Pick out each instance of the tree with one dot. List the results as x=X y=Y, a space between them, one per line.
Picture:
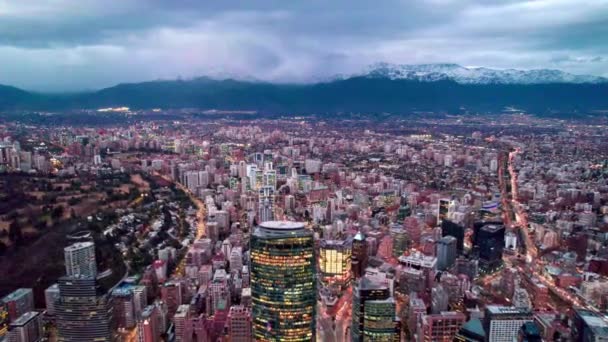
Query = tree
x=14 y=232
x=57 y=212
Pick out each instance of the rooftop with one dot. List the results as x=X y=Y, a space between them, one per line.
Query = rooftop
x=474 y=326
x=282 y=225
x=26 y=317
x=18 y=293
x=79 y=245
x=507 y=310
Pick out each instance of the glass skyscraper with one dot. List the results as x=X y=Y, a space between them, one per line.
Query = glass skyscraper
x=283 y=282
x=374 y=316
x=83 y=312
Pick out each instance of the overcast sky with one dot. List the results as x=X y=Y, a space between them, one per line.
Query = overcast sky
x=67 y=45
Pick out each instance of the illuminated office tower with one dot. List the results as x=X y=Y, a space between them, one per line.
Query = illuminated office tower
x=335 y=261
x=266 y=204
x=283 y=282
x=83 y=312
x=374 y=317
x=443 y=209
x=80 y=259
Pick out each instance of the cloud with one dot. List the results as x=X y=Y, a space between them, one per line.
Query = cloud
x=57 y=45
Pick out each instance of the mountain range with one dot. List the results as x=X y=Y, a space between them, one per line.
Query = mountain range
x=382 y=88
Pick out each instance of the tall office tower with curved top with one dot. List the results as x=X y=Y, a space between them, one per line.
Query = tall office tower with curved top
x=283 y=282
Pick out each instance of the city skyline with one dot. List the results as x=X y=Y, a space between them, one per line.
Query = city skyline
x=309 y=171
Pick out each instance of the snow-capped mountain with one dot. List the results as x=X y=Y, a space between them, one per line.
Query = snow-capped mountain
x=470 y=75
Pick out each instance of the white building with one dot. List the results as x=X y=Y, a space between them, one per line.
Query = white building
x=503 y=322
x=80 y=259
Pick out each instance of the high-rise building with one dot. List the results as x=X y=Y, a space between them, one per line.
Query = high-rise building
x=183 y=330
x=440 y=299
x=80 y=259
x=441 y=327
x=148 y=329
x=502 y=323
x=335 y=257
x=27 y=328
x=490 y=241
x=283 y=282
x=239 y=324
x=588 y=326
x=140 y=299
x=18 y=302
x=124 y=313
x=219 y=292
x=83 y=312
x=172 y=294
x=51 y=295
x=236 y=259
x=446 y=252
x=401 y=240
x=456 y=230
x=374 y=316
x=412 y=226
x=443 y=208
x=359 y=255
x=266 y=204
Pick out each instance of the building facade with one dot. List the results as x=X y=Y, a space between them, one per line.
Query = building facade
x=283 y=282
x=80 y=259
x=83 y=312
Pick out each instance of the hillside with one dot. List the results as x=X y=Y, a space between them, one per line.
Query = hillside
x=365 y=93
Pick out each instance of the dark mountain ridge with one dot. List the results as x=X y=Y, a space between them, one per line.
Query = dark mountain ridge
x=354 y=94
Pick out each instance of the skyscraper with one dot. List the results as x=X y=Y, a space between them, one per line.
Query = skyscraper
x=80 y=259
x=148 y=329
x=335 y=261
x=83 y=312
x=266 y=204
x=359 y=256
x=446 y=252
x=401 y=240
x=443 y=207
x=283 y=282
x=124 y=313
x=454 y=229
x=374 y=316
x=490 y=241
